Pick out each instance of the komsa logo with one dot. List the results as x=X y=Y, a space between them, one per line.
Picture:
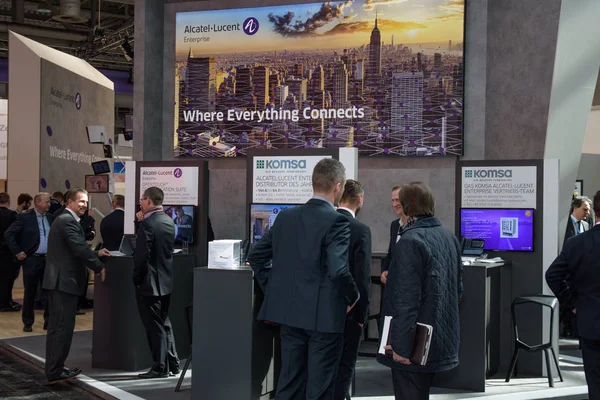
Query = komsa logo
x=282 y=164
x=489 y=173
x=251 y=26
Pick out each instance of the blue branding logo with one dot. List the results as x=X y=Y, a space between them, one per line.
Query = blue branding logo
x=78 y=101
x=177 y=173
x=251 y=26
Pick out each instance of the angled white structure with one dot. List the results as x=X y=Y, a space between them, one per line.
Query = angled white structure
x=54 y=97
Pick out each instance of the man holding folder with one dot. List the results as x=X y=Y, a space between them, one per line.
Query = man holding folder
x=309 y=288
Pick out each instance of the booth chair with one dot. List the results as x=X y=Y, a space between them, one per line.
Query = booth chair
x=544 y=301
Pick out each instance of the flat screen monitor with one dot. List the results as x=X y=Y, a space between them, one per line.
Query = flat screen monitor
x=101 y=167
x=96 y=183
x=262 y=218
x=502 y=229
x=185 y=222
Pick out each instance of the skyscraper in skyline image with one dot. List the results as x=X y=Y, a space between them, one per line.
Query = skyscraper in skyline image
x=374 y=69
x=407 y=109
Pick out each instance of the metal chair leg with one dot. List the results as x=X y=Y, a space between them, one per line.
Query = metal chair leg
x=184 y=370
x=556 y=362
x=549 y=368
x=513 y=363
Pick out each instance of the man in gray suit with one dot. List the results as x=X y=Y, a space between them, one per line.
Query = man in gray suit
x=309 y=289
x=67 y=260
x=152 y=277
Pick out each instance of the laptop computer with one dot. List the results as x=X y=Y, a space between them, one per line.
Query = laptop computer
x=127 y=247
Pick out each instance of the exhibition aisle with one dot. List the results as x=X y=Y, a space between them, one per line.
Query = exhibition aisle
x=373 y=380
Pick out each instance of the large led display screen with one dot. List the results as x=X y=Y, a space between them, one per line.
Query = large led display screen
x=385 y=77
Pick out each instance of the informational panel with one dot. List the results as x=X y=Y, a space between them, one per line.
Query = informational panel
x=3 y=136
x=283 y=179
x=499 y=187
x=385 y=77
x=180 y=184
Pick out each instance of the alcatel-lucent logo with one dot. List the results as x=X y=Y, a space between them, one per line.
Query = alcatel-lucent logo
x=251 y=26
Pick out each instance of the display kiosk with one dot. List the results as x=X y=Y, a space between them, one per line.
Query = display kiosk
x=119 y=338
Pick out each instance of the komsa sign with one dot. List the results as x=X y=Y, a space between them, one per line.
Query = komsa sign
x=281 y=164
x=488 y=173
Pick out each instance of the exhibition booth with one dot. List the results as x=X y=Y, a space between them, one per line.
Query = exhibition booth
x=257 y=98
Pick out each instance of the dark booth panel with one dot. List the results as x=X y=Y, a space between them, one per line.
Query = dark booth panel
x=118 y=338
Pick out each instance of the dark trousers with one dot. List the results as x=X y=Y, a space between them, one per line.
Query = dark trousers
x=591 y=366
x=352 y=336
x=309 y=364
x=154 y=312
x=8 y=269
x=63 y=307
x=411 y=385
x=33 y=273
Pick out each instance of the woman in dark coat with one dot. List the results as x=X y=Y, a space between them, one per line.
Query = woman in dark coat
x=424 y=285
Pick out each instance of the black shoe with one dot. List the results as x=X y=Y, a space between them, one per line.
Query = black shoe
x=174 y=371
x=80 y=312
x=64 y=376
x=27 y=328
x=153 y=375
x=45 y=326
x=16 y=305
x=74 y=369
x=9 y=309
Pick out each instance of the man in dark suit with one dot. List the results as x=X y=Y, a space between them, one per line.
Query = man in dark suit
x=580 y=210
x=152 y=277
x=577 y=224
x=575 y=281
x=27 y=239
x=395 y=229
x=8 y=266
x=359 y=255
x=113 y=225
x=309 y=289
x=68 y=258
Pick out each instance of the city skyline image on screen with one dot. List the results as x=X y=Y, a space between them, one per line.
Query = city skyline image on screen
x=387 y=80
x=502 y=229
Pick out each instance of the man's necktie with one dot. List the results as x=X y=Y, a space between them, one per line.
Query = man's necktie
x=579 y=227
x=42 y=217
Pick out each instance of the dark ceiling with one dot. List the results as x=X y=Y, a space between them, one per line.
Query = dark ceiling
x=99 y=31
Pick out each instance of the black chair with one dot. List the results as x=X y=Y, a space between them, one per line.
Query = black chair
x=544 y=301
x=188 y=313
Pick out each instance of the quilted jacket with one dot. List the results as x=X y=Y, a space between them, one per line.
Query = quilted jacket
x=425 y=285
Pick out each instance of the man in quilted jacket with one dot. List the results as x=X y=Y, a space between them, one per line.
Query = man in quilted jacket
x=424 y=286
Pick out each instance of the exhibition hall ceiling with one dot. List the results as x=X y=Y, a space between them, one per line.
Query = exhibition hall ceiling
x=99 y=31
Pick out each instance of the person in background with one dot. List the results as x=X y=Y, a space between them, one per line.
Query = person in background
x=152 y=277
x=56 y=202
x=61 y=209
x=69 y=257
x=395 y=229
x=113 y=225
x=309 y=288
x=580 y=210
x=8 y=266
x=577 y=224
x=574 y=279
x=24 y=202
x=423 y=286
x=359 y=256
x=27 y=239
